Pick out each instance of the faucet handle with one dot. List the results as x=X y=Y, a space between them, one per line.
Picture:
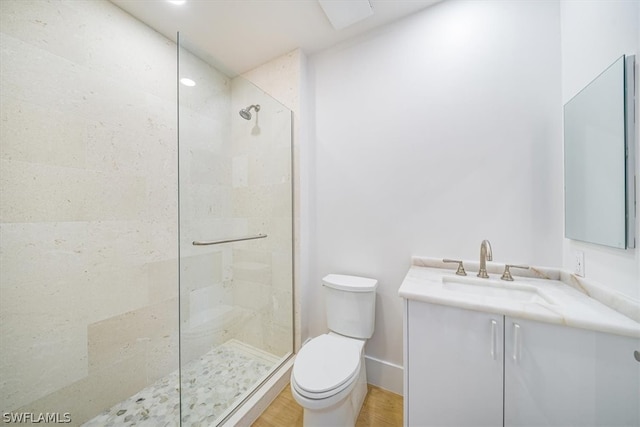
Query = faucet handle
x=460 y=271
x=507 y=274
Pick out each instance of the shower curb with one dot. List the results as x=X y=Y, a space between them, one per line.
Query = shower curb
x=256 y=404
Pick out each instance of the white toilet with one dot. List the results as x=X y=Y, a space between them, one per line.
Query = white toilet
x=329 y=379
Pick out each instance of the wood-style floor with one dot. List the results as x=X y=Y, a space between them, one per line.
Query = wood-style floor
x=381 y=408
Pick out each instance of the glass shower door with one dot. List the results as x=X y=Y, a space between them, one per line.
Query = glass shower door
x=236 y=240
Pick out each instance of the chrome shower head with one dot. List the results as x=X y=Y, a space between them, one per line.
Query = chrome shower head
x=245 y=113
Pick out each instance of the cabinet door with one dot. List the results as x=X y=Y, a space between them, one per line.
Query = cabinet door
x=454 y=366
x=561 y=376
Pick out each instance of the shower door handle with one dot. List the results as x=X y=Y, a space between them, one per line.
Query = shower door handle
x=217 y=242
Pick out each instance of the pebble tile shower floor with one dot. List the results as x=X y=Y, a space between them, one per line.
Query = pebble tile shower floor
x=211 y=384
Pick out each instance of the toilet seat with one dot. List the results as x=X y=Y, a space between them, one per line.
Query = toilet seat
x=325 y=366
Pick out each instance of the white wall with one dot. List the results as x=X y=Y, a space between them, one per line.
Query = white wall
x=594 y=35
x=430 y=135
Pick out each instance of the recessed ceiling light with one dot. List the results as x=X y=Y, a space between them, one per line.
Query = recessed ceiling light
x=177 y=1
x=187 y=82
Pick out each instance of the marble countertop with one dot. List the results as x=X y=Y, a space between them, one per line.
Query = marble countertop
x=563 y=299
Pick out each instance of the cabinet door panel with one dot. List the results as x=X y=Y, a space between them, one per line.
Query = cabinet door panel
x=454 y=366
x=562 y=376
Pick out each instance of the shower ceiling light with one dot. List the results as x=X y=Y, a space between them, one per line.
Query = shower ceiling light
x=187 y=82
x=342 y=13
x=178 y=2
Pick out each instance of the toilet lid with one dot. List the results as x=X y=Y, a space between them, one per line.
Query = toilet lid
x=325 y=363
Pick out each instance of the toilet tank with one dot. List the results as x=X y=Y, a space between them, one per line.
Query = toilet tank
x=350 y=303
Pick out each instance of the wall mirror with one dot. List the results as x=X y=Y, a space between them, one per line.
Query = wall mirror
x=599 y=154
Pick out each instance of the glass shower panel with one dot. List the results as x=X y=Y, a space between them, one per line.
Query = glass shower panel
x=236 y=250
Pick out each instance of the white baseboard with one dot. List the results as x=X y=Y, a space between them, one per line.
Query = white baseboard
x=384 y=374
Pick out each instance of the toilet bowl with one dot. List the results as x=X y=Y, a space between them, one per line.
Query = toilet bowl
x=329 y=377
x=329 y=380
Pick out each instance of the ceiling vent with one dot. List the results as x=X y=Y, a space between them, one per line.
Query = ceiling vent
x=342 y=13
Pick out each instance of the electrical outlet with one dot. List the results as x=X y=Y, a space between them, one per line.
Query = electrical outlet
x=578 y=263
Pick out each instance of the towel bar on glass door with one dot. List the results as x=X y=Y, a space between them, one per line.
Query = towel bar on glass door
x=217 y=242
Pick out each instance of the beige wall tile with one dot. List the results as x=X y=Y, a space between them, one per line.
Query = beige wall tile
x=113 y=291
x=251 y=330
x=88 y=204
x=151 y=331
x=162 y=279
x=282 y=308
x=87 y=397
x=44 y=347
x=282 y=270
x=222 y=324
x=251 y=295
x=265 y=200
x=280 y=78
x=36 y=134
x=278 y=340
x=252 y=271
x=198 y=271
x=114 y=29
x=41 y=251
x=46 y=26
x=39 y=193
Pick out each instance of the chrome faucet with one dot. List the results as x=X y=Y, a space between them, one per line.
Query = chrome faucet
x=485 y=255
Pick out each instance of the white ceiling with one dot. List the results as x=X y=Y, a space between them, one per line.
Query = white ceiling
x=242 y=34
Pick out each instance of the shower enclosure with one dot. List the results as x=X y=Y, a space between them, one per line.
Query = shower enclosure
x=109 y=314
x=236 y=241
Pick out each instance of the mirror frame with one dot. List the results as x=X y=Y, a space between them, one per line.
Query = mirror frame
x=630 y=147
x=618 y=228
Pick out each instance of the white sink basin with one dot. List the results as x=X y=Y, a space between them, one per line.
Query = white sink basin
x=495 y=289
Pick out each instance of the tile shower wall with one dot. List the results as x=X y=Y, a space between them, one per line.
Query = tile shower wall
x=283 y=78
x=261 y=181
x=209 y=317
x=235 y=178
x=88 y=208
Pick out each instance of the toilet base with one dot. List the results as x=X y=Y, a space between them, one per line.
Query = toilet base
x=344 y=413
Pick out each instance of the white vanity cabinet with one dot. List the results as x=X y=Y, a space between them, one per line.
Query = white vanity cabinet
x=471 y=368
x=453 y=366
x=562 y=376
